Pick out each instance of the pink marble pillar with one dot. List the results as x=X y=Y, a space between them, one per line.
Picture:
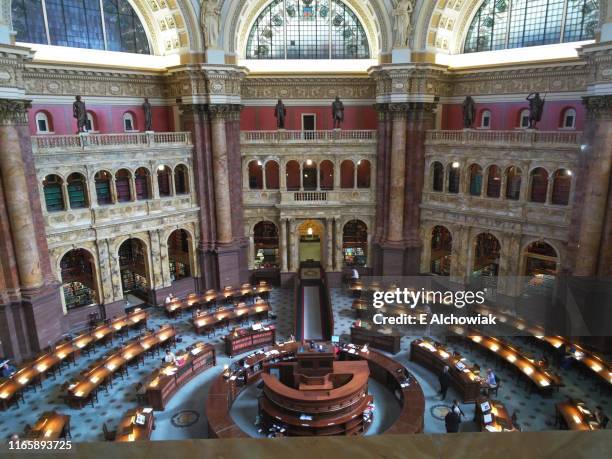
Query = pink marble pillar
x=221 y=175
x=397 y=174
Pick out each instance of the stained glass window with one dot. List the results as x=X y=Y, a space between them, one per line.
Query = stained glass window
x=94 y=24
x=503 y=24
x=307 y=29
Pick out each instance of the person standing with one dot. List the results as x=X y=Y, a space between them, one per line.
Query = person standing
x=452 y=422
x=444 y=380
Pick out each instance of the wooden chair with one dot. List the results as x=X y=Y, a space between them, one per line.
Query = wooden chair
x=109 y=435
x=493 y=390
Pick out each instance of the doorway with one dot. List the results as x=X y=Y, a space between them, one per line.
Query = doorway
x=308 y=124
x=310 y=239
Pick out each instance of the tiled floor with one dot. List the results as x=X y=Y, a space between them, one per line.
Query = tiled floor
x=535 y=412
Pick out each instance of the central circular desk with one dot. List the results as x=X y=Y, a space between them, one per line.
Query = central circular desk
x=385 y=370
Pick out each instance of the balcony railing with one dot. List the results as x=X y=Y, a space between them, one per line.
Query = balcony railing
x=51 y=143
x=519 y=136
x=282 y=136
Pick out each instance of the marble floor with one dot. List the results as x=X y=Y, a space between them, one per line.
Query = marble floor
x=185 y=416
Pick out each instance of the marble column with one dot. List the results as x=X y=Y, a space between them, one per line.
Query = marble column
x=282 y=246
x=459 y=255
x=133 y=188
x=65 y=196
x=105 y=272
x=164 y=258
x=154 y=182
x=338 y=239
x=598 y=140
x=251 y=260
x=398 y=174
x=156 y=269
x=223 y=206
x=13 y=113
x=294 y=245
x=329 y=265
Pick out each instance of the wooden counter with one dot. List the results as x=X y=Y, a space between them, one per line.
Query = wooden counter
x=574 y=415
x=129 y=430
x=492 y=416
x=435 y=357
x=163 y=382
x=246 y=340
x=208 y=321
x=383 y=338
x=50 y=426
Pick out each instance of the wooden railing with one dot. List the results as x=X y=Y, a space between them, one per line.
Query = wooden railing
x=337 y=135
x=519 y=136
x=52 y=143
x=309 y=196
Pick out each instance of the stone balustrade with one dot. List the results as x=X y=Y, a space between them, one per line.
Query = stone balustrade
x=515 y=137
x=283 y=136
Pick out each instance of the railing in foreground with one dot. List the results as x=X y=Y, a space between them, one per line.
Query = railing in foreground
x=97 y=141
x=524 y=136
x=337 y=135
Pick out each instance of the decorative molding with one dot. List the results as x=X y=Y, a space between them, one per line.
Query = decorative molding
x=316 y=87
x=14 y=111
x=598 y=107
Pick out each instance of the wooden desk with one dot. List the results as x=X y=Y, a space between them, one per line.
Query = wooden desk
x=128 y=430
x=208 y=321
x=237 y=343
x=163 y=382
x=500 y=418
x=83 y=389
x=50 y=426
x=575 y=415
x=543 y=380
x=359 y=307
x=435 y=357
x=383 y=338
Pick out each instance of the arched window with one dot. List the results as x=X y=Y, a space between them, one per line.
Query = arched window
x=292 y=170
x=128 y=122
x=347 y=174
x=441 y=247
x=77 y=191
x=454 y=177
x=363 y=173
x=103 y=188
x=80 y=24
x=486 y=255
x=90 y=125
x=52 y=187
x=355 y=243
x=43 y=123
x=475 y=180
x=561 y=187
x=569 y=119
x=309 y=175
x=272 y=178
x=513 y=183
x=265 y=238
x=122 y=184
x=179 y=257
x=142 y=182
x=255 y=175
x=437 y=176
x=181 y=179
x=307 y=29
x=485 y=119
x=522 y=23
x=539 y=185
x=78 y=277
x=163 y=181
x=134 y=268
x=540 y=261
x=524 y=119
x=326 y=175
x=493 y=182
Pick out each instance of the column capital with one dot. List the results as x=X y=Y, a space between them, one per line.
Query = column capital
x=598 y=107
x=14 y=111
x=230 y=112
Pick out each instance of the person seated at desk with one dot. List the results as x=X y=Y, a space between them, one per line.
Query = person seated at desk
x=490 y=381
x=7 y=369
x=601 y=417
x=169 y=357
x=169 y=298
x=354 y=275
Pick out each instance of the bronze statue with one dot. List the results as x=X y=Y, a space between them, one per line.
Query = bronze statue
x=80 y=113
x=536 y=107
x=337 y=112
x=280 y=113
x=148 y=114
x=469 y=112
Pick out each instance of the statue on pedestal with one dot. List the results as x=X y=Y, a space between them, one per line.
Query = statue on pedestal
x=402 y=27
x=337 y=112
x=148 y=114
x=79 y=112
x=209 y=18
x=280 y=113
x=469 y=112
x=536 y=107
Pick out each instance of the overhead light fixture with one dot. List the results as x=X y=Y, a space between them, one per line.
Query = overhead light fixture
x=309 y=162
x=309 y=231
x=161 y=167
x=455 y=165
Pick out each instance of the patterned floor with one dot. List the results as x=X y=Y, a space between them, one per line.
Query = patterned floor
x=184 y=417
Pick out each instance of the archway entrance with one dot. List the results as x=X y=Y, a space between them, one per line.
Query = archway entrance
x=486 y=258
x=310 y=239
x=441 y=248
x=78 y=277
x=179 y=255
x=134 y=268
x=541 y=260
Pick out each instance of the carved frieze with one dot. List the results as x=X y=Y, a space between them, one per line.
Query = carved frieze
x=307 y=88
